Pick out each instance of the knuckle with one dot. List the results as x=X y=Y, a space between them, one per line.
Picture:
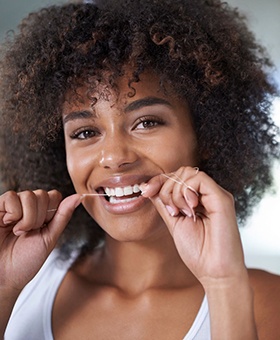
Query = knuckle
x=56 y=194
x=40 y=192
x=201 y=173
x=10 y=195
x=41 y=197
x=230 y=197
x=28 y=195
x=182 y=168
x=227 y=198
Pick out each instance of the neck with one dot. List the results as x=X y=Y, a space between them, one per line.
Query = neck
x=135 y=267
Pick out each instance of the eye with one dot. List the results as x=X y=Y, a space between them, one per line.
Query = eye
x=148 y=122
x=84 y=134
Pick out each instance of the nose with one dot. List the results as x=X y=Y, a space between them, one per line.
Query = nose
x=116 y=152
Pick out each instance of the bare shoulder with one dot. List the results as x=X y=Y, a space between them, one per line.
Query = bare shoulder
x=266 y=287
x=265 y=284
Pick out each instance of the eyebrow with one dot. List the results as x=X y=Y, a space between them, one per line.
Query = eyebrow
x=84 y=114
x=147 y=101
x=135 y=105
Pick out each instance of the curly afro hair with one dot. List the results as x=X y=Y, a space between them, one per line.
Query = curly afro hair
x=202 y=49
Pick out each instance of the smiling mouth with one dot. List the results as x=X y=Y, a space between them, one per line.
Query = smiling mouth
x=122 y=194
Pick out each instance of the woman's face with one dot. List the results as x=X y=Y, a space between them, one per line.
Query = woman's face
x=121 y=142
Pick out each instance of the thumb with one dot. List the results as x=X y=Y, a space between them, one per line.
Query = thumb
x=60 y=220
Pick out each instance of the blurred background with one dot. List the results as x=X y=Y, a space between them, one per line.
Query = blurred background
x=261 y=236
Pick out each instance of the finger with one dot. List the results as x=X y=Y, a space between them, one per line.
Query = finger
x=28 y=201
x=160 y=185
x=212 y=198
x=202 y=189
x=60 y=220
x=153 y=186
x=168 y=218
x=36 y=209
x=166 y=194
x=173 y=191
x=42 y=198
x=172 y=197
x=55 y=198
x=47 y=203
x=179 y=197
x=10 y=208
x=163 y=211
x=181 y=188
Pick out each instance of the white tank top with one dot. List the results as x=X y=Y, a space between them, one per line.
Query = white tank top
x=31 y=316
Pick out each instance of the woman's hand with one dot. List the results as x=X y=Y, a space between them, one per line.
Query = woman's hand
x=30 y=225
x=200 y=216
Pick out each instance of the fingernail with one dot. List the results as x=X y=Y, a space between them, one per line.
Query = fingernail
x=187 y=212
x=194 y=217
x=143 y=187
x=170 y=210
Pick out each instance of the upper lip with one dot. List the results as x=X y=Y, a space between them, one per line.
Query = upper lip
x=121 y=181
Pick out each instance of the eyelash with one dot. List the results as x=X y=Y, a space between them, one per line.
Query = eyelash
x=89 y=131
x=149 y=119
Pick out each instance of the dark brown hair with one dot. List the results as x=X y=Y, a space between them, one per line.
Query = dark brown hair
x=202 y=49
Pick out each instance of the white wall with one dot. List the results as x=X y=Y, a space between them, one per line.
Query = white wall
x=261 y=236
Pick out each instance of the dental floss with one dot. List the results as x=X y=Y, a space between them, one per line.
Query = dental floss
x=174 y=180
x=179 y=181
x=82 y=196
x=182 y=183
x=55 y=209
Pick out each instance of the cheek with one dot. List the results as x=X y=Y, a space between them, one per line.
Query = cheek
x=79 y=168
x=74 y=172
x=71 y=166
x=174 y=152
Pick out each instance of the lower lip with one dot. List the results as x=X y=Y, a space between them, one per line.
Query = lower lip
x=124 y=207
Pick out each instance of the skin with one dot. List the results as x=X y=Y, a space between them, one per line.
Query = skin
x=162 y=252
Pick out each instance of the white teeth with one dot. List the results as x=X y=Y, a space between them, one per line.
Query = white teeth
x=136 y=188
x=114 y=200
x=128 y=191
x=119 y=192
x=108 y=192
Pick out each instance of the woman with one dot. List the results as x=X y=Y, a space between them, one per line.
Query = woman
x=154 y=117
